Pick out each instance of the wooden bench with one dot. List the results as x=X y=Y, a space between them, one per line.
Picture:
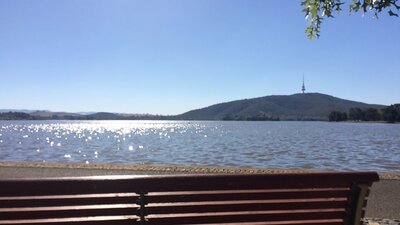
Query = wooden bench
x=328 y=198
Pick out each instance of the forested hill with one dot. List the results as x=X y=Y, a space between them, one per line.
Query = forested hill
x=309 y=106
x=312 y=106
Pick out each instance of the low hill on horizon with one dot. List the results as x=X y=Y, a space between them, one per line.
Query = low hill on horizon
x=11 y=114
x=307 y=106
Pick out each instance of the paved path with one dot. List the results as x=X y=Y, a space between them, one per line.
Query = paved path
x=384 y=201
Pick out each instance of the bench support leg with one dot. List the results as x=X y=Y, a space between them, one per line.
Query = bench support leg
x=354 y=209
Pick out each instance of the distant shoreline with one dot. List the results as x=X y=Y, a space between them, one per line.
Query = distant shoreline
x=88 y=120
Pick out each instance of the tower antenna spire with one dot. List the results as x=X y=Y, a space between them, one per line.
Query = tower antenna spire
x=303 y=88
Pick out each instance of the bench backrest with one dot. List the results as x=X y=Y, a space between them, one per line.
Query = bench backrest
x=314 y=198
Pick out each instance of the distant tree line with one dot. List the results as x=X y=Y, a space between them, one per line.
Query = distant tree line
x=337 y=116
x=96 y=116
x=389 y=114
x=259 y=117
x=15 y=116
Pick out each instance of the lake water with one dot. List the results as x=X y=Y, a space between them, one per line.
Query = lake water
x=294 y=145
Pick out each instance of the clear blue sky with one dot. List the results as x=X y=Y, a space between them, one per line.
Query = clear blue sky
x=168 y=57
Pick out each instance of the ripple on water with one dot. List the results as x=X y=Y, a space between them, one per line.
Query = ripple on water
x=300 y=145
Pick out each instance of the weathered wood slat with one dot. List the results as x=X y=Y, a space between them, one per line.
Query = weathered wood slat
x=291 y=222
x=68 y=211
x=101 y=220
x=71 y=200
x=246 y=195
x=252 y=216
x=238 y=206
x=38 y=197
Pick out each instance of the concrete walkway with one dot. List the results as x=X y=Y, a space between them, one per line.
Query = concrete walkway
x=384 y=200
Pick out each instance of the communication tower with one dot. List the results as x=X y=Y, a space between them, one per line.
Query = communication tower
x=303 y=88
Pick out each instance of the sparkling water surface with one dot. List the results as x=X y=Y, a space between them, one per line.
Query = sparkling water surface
x=292 y=145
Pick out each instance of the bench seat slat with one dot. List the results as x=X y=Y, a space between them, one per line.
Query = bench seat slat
x=38 y=197
x=251 y=216
x=281 y=190
x=71 y=200
x=100 y=220
x=292 y=222
x=65 y=212
x=244 y=206
x=243 y=195
x=73 y=207
x=268 y=201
